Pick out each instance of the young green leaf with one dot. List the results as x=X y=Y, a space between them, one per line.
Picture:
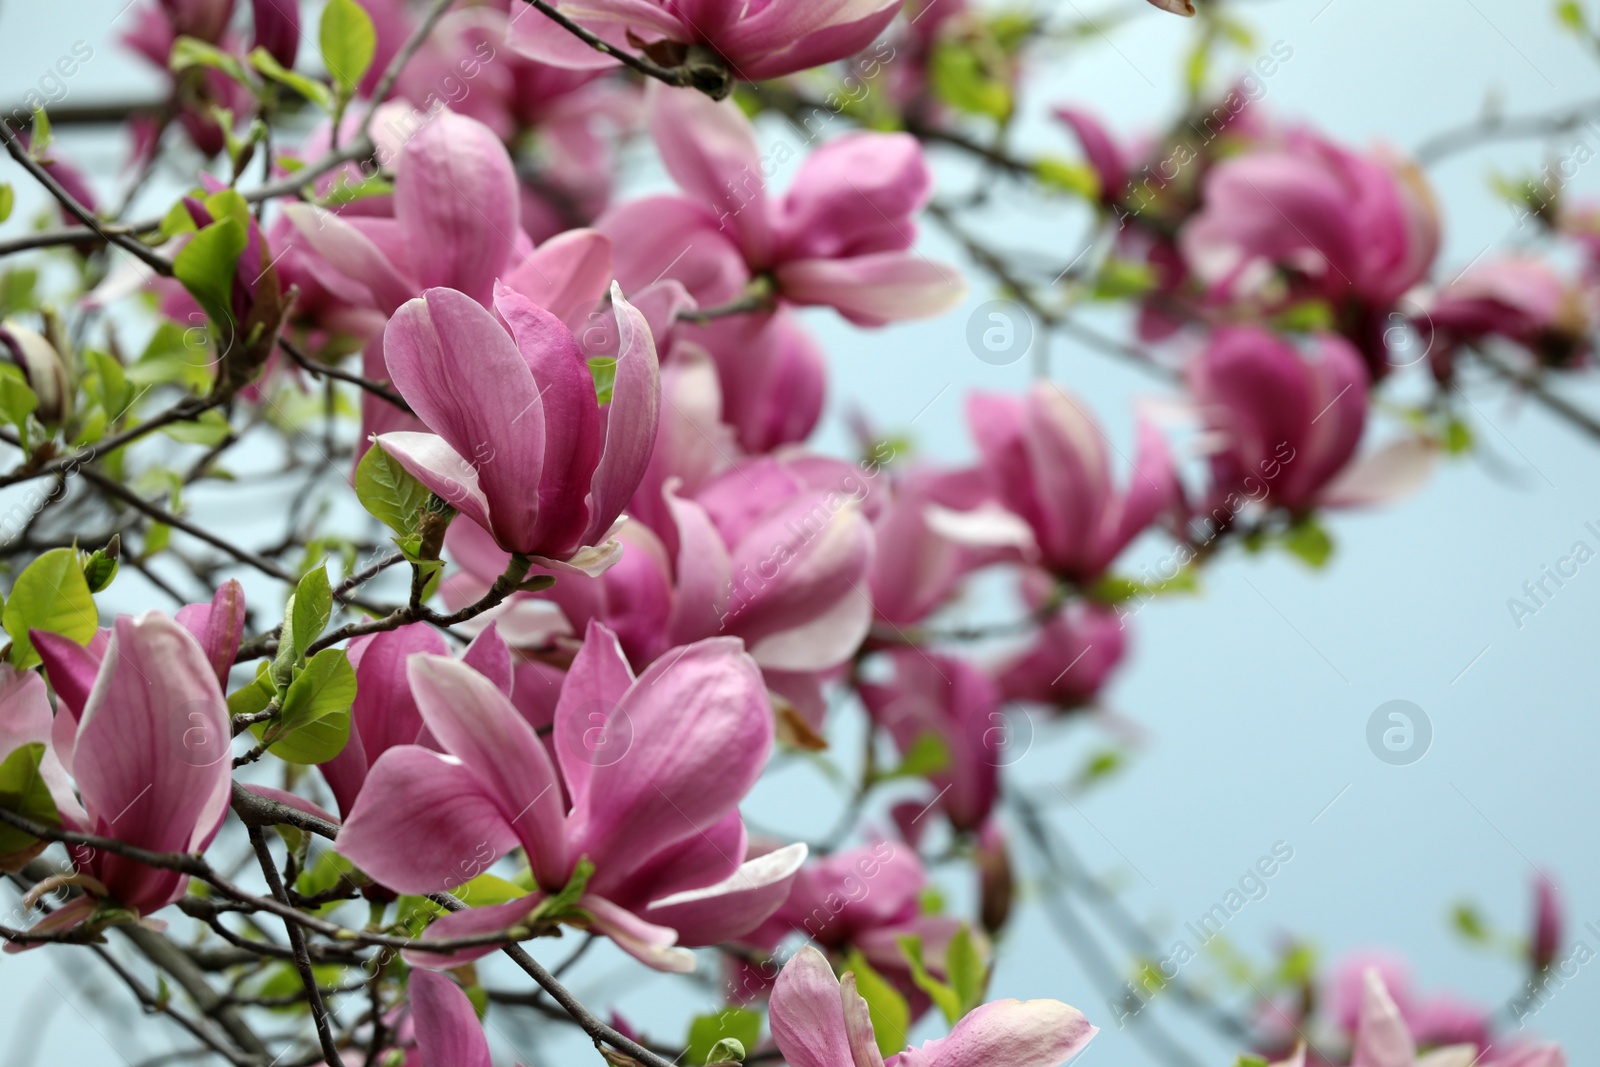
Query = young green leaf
x=206 y=267
x=943 y=996
x=23 y=792
x=326 y=687
x=313 y=606
x=388 y=492
x=50 y=595
x=315 y=742
x=706 y=1032
x=309 y=88
x=348 y=42
x=891 y=1017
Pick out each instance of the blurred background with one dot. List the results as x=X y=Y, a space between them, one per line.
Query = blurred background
x=1250 y=699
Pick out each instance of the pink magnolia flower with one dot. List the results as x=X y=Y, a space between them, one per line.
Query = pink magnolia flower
x=1384 y=1038
x=957 y=702
x=1343 y=224
x=866 y=898
x=1071 y=657
x=521 y=445
x=150 y=757
x=1521 y=299
x=444 y=1023
x=385 y=712
x=756 y=40
x=841 y=238
x=821 y=1021
x=1046 y=460
x=654 y=769
x=772 y=377
x=942 y=530
x=1431 y=1021
x=1547 y=923
x=277 y=29
x=1288 y=423
x=73 y=668
x=774 y=552
x=456 y=222
x=468 y=63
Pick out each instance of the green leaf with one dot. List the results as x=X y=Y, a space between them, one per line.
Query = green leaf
x=565 y=903
x=960 y=78
x=891 y=1018
x=39 y=141
x=730 y=1024
x=1468 y=923
x=1248 y=1060
x=327 y=871
x=487 y=890
x=928 y=754
x=100 y=569
x=604 y=370
x=969 y=977
x=206 y=267
x=1308 y=316
x=943 y=996
x=1457 y=437
x=156 y=537
x=348 y=42
x=17 y=400
x=23 y=792
x=50 y=595
x=1121 y=279
x=313 y=606
x=1570 y=14
x=309 y=88
x=315 y=742
x=388 y=492
x=252 y=699
x=326 y=687
x=1309 y=541
x=8 y=200
x=110 y=382
x=16 y=290
x=728 y=1050
x=210 y=428
x=190 y=52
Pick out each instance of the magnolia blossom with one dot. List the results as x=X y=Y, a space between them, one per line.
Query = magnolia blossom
x=385 y=712
x=841 y=237
x=1046 y=461
x=1071 y=657
x=821 y=1021
x=444 y=1024
x=754 y=40
x=1521 y=299
x=1344 y=224
x=868 y=899
x=149 y=751
x=1384 y=1039
x=956 y=702
x=651 y=772
x=516 y=408
x=1287 y=423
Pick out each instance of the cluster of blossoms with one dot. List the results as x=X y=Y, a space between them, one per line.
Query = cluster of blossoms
x=587 y=422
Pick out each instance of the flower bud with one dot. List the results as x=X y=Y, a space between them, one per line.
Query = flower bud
x=44 y=369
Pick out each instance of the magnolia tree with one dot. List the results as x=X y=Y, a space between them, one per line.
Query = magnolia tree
x=563 y=579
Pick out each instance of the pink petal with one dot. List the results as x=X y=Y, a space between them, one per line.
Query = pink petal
x=874 y=289
x=807 y=1014
x=152 y=757
x=1382 y=1038
x=856 y=195
x=1019 y=1033
x=477 y=723
x=590 y=726
x=490 y=657
x=446 y=1026
x=424 y=822
x=568 y=275
x=734 y=906
x=652 y=945
x=1393 y=472
x=25 y=719
x=630 y=420
x=218 y=626
x=353 y=254
x=72 y=669
x=465 y=377
x=441 y=468
x=710 y=149
x=701 y=733
x=673 y=238
x=704 y=572
x=469 y=923
x=456 y=200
